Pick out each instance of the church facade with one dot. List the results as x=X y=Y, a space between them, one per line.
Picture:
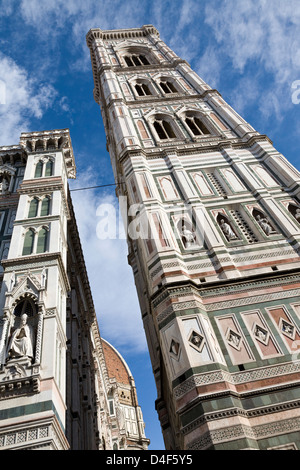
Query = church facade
x=215 y=253
x=61 y=385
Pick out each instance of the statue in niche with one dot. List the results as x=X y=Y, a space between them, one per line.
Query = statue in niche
x=196 y=339
x=260 y=334
x=21 y=343
x=234 y=339
x=188 y=237
x=288 y=329
x=4 y=186
x=227 y=230
x=295 y=211
x=264 y=224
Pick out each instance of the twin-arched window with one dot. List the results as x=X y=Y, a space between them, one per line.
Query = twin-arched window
x=164 y=126
x=164 y=129
x=39 y=207
x=142 y=89
x=35 y=241
x=196 y=126
x=167 y=86
x=43 y=168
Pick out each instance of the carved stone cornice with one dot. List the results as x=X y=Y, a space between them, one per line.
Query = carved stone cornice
x=115 y=34
x=36 y=261
x=193 y=148
x=58 y=138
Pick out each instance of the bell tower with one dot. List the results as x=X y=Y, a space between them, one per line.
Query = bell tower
x=213 y=239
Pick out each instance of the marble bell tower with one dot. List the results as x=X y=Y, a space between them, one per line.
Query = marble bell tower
x=216 y=259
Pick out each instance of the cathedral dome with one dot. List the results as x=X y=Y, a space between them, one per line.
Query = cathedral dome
x=116 y=365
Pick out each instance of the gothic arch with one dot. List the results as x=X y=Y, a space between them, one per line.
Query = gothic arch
x=164 y=125
x=202 y=184
x=227 y=227
x=135 y=55
x=25 y=303
x=167 y=84
x=142 y=86
x=7 y=177
x=36 y=240
x=44 y=167
x=187 y=234
x=294 y=209
x=263 y=221
x=196 y=122
x=168 y=188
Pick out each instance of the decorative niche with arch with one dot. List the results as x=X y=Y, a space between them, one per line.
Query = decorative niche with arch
x=167 y=187
x=21 y=340
x=186 y=233
x=227 y=227
x=294 y=209
x=263 y=221
x=7 y=178
x=22 y=337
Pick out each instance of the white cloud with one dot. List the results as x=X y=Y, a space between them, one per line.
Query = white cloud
x=24 y=99
x=209 y=66
x=110 y=276
x=260 y=34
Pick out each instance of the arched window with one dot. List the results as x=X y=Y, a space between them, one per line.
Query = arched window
x=43 y=169
x=128 y=61
x=196 y=126
x=33 y=208
x=42 y=240
x=144 y=60
x=39 y=145
x=45 y=209
x=164 y=129
x=39 y=169
x=28 y=242
x=168 y=87
x=142 y=89
x=136 y=60
x=49 y=168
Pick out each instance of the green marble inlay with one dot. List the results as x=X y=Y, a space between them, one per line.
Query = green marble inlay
x=26 y=410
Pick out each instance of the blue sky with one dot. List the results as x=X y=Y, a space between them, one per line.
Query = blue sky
x=249 y=50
